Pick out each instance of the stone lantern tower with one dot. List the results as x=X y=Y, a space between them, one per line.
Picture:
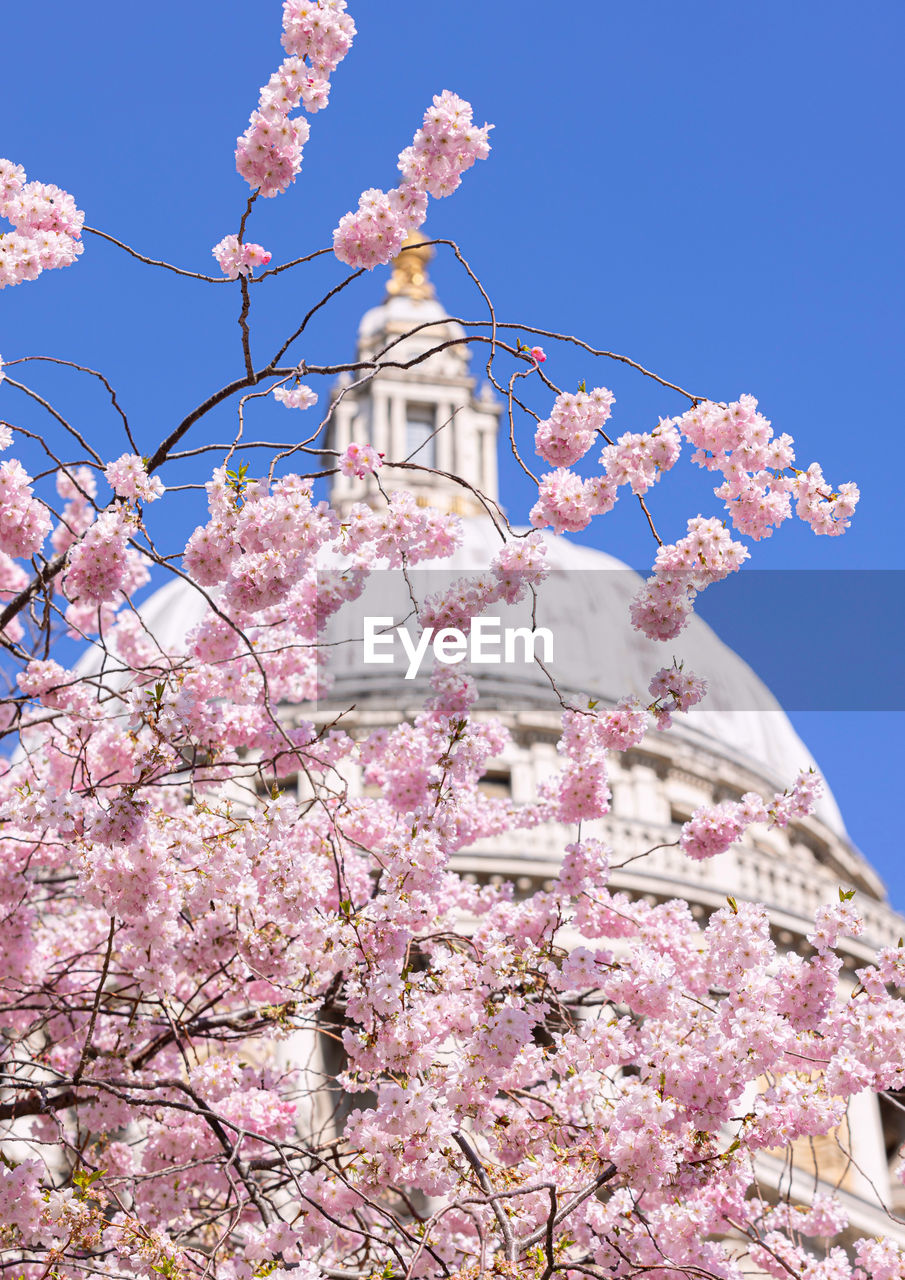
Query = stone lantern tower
x=424 y=411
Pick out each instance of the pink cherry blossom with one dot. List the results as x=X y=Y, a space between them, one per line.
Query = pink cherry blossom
x=237 y=259
x=47 y=227
x=295 y=987
x=738 y=441
x=24 y=520
x=317 y=34
x=674 y=689
x=360 y=460
x=128 y=478
x=574 y=421
x=445 y=146
x=707 y=554
x=297 y=396
x=639 y=460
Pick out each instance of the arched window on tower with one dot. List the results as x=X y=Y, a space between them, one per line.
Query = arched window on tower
x=419 y=434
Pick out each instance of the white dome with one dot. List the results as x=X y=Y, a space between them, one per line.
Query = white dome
x=586 y=599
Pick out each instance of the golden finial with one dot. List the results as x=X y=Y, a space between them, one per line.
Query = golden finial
x=409 y=278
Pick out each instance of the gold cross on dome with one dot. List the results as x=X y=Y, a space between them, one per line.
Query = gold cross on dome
x=409 y=278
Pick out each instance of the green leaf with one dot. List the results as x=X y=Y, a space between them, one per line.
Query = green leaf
x=733 y=905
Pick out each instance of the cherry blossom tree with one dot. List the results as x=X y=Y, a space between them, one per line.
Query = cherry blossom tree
x=249 y=1033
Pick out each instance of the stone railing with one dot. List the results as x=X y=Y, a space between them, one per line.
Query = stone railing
x=787 y=889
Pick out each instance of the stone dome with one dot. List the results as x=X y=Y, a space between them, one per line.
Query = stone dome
x=739 y=739
x=588 y=595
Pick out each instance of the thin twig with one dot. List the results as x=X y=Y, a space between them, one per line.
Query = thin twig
x=156 y=262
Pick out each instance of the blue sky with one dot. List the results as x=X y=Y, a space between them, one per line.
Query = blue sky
x=711 y=188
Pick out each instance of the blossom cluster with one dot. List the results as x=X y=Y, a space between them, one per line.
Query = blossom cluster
x=713 y=828
x=568 y=1036
x=101 y=564
x=639 y=459
x=24 y=521
x=360 y=460
x=47 y=227
x=706 y=554
x=402 y=530
x=513 y=570
x=297 y=396
x=128 y=478
x=317 y=35
x=738 y=441
x=574 y=421
x=447 y=144
x=815 y=502
x=568 y=502
x=674 y=689
x=581 y=792
x=237 y=259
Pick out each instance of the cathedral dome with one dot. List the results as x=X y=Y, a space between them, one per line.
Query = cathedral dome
x=423 y=406
x=588 y=593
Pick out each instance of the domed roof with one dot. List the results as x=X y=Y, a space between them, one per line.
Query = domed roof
x=585 y=599
x=598 y=653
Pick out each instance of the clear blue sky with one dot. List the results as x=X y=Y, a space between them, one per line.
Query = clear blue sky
x=711 y=188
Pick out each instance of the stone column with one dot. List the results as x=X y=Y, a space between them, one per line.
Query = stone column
x=865 y=1133
x=489 y=481
x=380 y=425
x=397 y=409
x=445 y=452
